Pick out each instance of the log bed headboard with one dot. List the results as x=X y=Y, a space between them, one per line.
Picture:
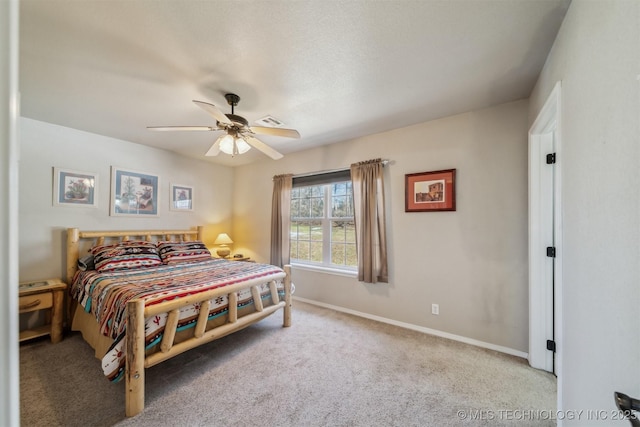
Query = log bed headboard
x=76 y=238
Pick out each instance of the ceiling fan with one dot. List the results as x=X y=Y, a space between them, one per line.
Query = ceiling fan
x=238 y=138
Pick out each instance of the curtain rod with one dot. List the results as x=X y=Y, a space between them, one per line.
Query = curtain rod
x=384 y=163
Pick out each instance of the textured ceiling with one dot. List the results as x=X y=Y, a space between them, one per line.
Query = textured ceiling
x=333 y=70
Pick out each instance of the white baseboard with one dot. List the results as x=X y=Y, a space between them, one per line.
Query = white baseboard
x=417 y=328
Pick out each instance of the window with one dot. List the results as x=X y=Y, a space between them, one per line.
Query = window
x=322 y=225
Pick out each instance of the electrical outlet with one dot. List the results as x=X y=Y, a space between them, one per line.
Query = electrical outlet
x=435 y=309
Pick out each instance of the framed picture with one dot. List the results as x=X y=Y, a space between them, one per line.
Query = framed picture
x=181 y=198
x=133 y=193
x=74 y=188
x=430 y=191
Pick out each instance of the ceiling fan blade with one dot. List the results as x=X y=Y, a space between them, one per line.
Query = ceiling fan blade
x=259 y=145
x=214 y=150
x=214 y=111
x=173 y=128
x=289 y=133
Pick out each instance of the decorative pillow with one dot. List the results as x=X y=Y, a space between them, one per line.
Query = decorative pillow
x=123 y=255
x=177 y=252
x=86 y=263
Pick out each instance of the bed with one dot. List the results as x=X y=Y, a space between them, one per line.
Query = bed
x=136 y=311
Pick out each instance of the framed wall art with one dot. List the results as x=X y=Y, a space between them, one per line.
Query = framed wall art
x=430 y=191
x=74 y=188
x=133 y=193
x=181 y=198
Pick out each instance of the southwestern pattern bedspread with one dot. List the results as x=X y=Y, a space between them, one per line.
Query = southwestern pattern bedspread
x=105 y=295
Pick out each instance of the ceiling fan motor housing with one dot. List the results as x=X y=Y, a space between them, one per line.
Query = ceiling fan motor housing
x=238 y=121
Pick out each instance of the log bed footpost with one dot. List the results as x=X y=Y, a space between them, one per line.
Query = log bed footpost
x=134 y=371
x=287 y=297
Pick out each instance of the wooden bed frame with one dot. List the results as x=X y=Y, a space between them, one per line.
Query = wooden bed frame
x=136 y=361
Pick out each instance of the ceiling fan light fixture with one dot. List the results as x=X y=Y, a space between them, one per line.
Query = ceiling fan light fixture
x=226 y=144
x=233 y=145
x=242 y=146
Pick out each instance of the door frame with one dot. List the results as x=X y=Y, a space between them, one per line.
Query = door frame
x=548 y=122
x=9 y=154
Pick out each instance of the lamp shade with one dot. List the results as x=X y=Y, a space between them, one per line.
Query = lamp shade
x=223 y=239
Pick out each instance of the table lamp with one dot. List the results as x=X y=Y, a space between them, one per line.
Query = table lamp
x=223 y=240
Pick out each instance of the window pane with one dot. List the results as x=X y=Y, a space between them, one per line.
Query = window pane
x=295 y=193
x=295 y=208
x=340 y=207
x=303 y=250
x=293 y=250
x=305 y=192
x=304 y=208
x=317 y=208
x=342 y=200
x=316 y=251
x=293 y=231
x=336 y=201
x=348 y=205
x=337 y=231
x=337 y=254
x=298 y=230
x=317 y=191
x=349 y=231
x=315 y=230
x=351 y=255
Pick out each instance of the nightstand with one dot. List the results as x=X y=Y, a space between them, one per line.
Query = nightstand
x=230 y=258
x=43 y=295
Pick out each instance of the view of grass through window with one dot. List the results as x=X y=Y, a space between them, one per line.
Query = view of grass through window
x=322 y=226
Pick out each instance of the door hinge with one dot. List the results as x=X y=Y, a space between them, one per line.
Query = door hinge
x=551 y=159
x=551 y=251
x=551 y=345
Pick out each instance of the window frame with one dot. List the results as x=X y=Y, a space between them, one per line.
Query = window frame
x=326 y=222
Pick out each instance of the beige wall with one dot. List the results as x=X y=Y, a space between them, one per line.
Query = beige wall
x=472 y=262
x=597 y=57
x=43 y=226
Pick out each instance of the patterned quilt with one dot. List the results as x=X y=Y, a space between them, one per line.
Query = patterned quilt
x=105 y=295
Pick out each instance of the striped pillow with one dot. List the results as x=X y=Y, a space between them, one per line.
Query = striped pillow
x=123 y=255
x=177 y=252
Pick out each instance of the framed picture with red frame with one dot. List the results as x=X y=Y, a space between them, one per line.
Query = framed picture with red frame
x=430 y=191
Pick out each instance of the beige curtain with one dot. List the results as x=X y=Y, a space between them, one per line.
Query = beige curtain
x=281 y=219
x=371 y=238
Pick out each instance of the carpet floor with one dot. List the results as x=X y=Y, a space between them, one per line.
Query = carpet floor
x=327 y=369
